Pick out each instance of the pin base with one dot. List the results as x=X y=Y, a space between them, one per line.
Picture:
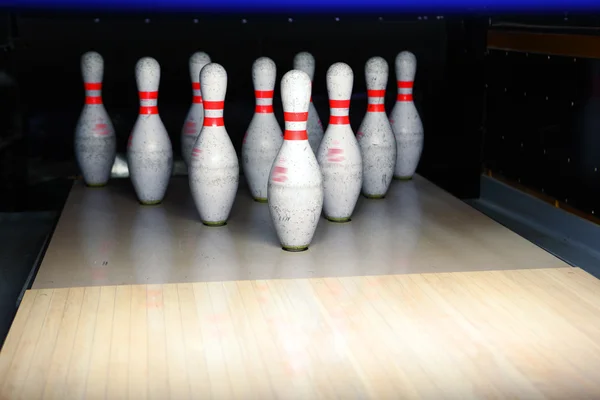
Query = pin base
x=403 y=178
x=95 y=185
x=374 y=196
x=213 y=224
x=151 y=203
x=260 y=199
x=295 y=249
x=338 y=220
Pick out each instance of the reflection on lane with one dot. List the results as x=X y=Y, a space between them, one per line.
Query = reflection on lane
x=97 y=225
x=151 y=249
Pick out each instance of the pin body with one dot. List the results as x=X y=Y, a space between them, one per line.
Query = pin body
x=95 y=140
x=214 y=169
x=263 y=138
x=295 y=191
x=149 y=151
x=375 y=136
x=405 y=120
x=193 y=121
x=305 y=62
x=339 y=153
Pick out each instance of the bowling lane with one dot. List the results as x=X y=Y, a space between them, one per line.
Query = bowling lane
x=104 y=237
x=528 y=334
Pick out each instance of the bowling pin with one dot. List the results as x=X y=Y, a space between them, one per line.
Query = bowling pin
x=193 y=121
x=95 y=140
x=295 y=191
x=405 y=120
x=339 y=154
x=375 y=135
x=149 y=151
x=263 y=138
x=214 y=171
x=305 y=62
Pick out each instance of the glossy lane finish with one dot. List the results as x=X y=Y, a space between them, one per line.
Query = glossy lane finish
x=105 y=237
x=528 y=334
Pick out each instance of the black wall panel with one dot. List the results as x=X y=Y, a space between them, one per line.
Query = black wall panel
x=543 y=124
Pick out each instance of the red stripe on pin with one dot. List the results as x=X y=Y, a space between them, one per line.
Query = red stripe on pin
x=263 y=109
x=295 y=135
x=213 y=105
x=197 y=99
x=376 y=93
x=339 y=103
x=263 y=94
x=213 y=121
x=146 y=110
x=405 y=84
x=339 y=120
x=148 y=95
x=295 y=117
x=93 y=100
x=404 y=97
x=196 y=85
x=92 y=85
x=376 y=108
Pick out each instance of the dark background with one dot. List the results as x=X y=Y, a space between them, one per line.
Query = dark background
x=529 y=116
x=45 y=52
x=543 y=124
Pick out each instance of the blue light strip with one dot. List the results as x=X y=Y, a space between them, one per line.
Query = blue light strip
x=310 y=6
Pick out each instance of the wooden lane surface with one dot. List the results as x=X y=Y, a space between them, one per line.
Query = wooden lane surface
x=531 y=334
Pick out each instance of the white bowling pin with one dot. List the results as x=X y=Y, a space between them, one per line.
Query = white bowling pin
x=95 y=140
x=375 y=135
x=295 y=191
x=405 y=119
x=263 y=138
x=193 y=120
x=149 y=151
x=339 y=154
x=214 y=171
x=305 y=62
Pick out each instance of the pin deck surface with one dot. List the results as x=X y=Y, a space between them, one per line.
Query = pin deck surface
x=104 y=237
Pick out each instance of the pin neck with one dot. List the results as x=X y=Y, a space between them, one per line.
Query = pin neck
x=295 y=126
x=197 y=97
x=376 y=100
x=93 y=92
x=213 y=113
x=339 y=112
x=405 y=89
x=264 y=101
x=148 y=103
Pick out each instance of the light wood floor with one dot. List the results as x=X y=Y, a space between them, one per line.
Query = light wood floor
x=529 y=334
